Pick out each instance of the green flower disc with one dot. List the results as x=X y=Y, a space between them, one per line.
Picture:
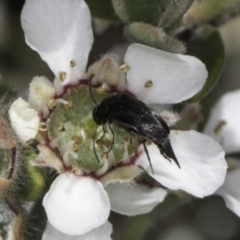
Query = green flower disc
x=73 y=130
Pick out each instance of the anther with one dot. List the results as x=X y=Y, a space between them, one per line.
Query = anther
x=73 y=63
x=148 y=84
x=124 y=68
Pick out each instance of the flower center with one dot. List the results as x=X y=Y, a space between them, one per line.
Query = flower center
x=81 y=143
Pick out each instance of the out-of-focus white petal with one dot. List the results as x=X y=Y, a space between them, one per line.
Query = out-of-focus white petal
x=203 y=166
x=76 y=205
x=230 y=191
x=174 y=77
x=60 y=31
x=223 y=124
x=133 y=199
x=101 y=233
x=24 y=120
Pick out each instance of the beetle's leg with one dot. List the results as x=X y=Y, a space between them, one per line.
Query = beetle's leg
x=136 y=133
x=110 y=127
x=104 y=132
x=94 y=148
x=146 y=151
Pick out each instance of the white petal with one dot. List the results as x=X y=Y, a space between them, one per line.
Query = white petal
x=76 y=205
x=101 y=233
x=175 y=77
x=41 y=90
x=60 y=31
x=223 y=124
x=203 y=167
x=24 y=120
x=230 y=191
x=131 y=200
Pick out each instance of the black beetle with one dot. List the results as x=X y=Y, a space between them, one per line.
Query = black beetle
x=138 y=118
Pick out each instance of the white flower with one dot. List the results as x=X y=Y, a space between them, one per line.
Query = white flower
x=202 y=162
x=230 y=191
x=60 y=31
x=223 y=125
x=78 y=199
x=174 y=77
x=134 y=199
x=101 y=233
x=24 y=120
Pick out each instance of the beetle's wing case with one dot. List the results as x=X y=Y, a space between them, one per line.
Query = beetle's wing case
x=128 y=112
x=135 y=116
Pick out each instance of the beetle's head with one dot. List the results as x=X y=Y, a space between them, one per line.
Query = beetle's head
x=99 y=115
x=95 y=116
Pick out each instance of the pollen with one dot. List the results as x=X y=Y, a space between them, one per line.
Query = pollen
x=61 y=128
x=75 y=147
x=77 y=139
x=73 y=63
x=62 y=76
x=219 y=126
x=43 y=127
x=148 y=84
x=124 y=68
x=101 y=90
x=104 y=156
x=68 y=105
x=52 y=104
x=128 y=140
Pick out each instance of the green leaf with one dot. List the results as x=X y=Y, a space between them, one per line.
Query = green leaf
x=139 y=10
x=154 y=37
x=174 y=12
x=206 y=44
x=159 y=13
x=102 y=9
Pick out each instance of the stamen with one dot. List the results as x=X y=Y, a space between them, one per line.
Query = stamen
x=61 y=128
x=124 y=68
x=62 y=76
x=77 y=171
x=105 y=87
x=100 y=90
x=73 y=63
x=68 y=105
x=148 y=84
x=103 y=169
x=52 y=104
x=42 y=127
x=219 y=126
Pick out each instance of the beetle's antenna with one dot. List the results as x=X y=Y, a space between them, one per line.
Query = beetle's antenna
x=90 y=89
